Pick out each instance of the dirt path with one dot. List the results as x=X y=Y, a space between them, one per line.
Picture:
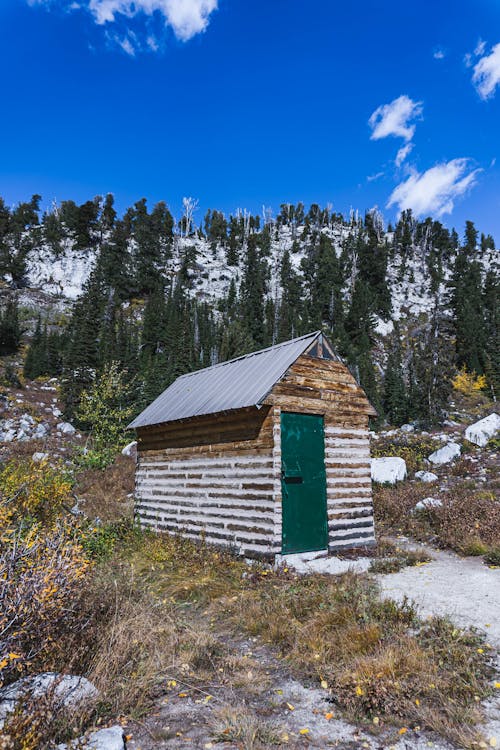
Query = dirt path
x=270 y=710
x=463 y=588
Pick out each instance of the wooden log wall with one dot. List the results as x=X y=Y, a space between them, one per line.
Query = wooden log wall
x=211 y=477
x=326 y=387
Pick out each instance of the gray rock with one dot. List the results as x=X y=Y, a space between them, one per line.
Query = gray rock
x=480 y=432
x=428 y=503
x=41 y=431
x=56 y=412
x=426 y=476
x=66 y=428
x=390 y=469
x=68 y=691
x=104 y=739
x=446 y=454
x=39 y=457
x=407 y=428
x=130 y=449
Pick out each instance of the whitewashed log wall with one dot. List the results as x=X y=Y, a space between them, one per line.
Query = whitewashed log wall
x=349 y=487
x=228 y=501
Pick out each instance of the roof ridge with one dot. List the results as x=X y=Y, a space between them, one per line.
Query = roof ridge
x=250 y=354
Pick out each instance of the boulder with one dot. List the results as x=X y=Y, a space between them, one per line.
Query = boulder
x=104 y=739
x=37 y=457
x=56 y=412
x=407 y=428
x=68 y=690
x=480 y=432
x=130 y=449
x=426 y=476
x=390 y=469
x=446 y=454
x=428 y=503
x=66 y=428
x=40 y=431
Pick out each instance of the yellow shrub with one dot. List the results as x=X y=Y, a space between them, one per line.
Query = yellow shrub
x=469 y=383
x=42 y=576
x=34 y=489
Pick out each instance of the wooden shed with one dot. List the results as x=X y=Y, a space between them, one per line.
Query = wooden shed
x=267 y=453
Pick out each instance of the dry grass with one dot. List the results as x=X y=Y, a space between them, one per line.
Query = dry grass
x=250 y=732
x=105 y=493
x=377 y=657
x=468 y=521
x=163 y=610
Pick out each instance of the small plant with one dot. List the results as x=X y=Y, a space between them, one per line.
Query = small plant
x=399 y=560
x=493 y=557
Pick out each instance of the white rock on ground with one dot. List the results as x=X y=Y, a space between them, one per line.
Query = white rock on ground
x=407 y=428
x=41 y=431
x=446 y=454
x=110 y=738
x=69 y=690
x=130 y=449
x=66 y=428
x=39 y=457
x=426 y=476
x=389 y=469
x=480 y=432
x=429 y=503
x=320 y=562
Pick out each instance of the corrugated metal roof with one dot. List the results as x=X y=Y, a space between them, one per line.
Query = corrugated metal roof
x=239 y=383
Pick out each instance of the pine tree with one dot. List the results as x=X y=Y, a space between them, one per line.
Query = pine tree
x=491 y=310
x=252 y=293
x=10 y=329
x=395 y=398
x=466 y=300
x=33 y=364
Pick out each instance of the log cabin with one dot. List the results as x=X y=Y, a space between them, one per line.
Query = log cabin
x=267 y=454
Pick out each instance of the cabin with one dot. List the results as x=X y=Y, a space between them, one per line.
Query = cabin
x=267 y=454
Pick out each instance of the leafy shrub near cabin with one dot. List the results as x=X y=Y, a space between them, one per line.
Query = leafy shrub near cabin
x=42 y=574
x=33 y=491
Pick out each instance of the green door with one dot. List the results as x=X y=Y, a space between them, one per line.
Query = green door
x=303 y=483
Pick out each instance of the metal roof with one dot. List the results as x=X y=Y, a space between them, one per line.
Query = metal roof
x=236 y=384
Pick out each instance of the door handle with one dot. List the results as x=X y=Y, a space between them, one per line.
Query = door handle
x=292 y=480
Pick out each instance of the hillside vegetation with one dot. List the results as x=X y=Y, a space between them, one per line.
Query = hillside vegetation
x=407 y=306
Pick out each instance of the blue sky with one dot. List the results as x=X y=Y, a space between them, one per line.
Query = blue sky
x=241 y=103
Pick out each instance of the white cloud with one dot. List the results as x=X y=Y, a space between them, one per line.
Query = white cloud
x=480 y=47
x=435 y=191
x=486 y=76
x=186 y=17
x=403 y=152
x=395 y=119
x=439 y=54
x=374 y=177
x=126 y=45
